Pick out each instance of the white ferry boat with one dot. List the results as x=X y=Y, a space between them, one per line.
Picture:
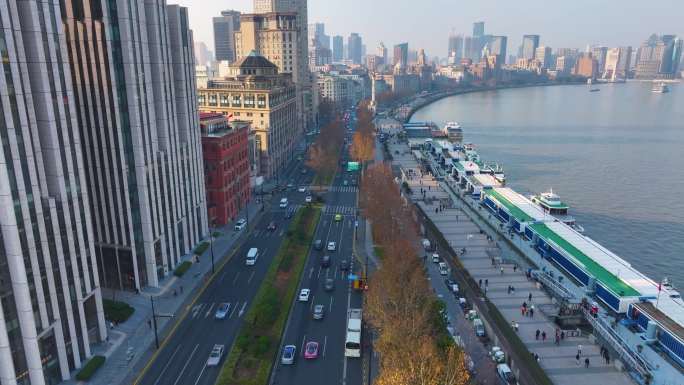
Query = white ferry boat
x=552 y=204
x=453 y=130
x=660 y=88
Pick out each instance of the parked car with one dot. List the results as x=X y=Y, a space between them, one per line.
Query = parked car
x=332 y=246
x=240 y=224
x=436 y=258
x=304 y=295
x=497 y=355
x=451 y=285
x=289 y=354
x=222 y=311
x=311 y=350
x=215 y=355
x=329 y=284
x=338 y=217
x=318 y=244
x=318 y=311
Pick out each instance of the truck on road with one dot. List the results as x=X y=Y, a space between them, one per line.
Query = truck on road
x=352 y=342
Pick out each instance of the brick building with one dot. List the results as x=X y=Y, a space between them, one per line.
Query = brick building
x=225 y=148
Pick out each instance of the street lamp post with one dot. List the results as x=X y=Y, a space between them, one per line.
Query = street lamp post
x=211 y=244
x=154 y=321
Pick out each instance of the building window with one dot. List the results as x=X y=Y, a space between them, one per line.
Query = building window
x=261 y=101
x=224 y=101
x=201 y=99
x=249 y=101
x=237 y=101
x=212 y=100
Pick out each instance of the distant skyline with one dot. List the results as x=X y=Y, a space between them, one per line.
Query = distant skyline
x=427 y=25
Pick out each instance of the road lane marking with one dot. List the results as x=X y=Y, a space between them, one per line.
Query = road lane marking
x=234 y=308
x=311 y=272
x=242 y=310
x=167 y=365
x=250 y=277
x=325 y=344
x=223 y=276
x=200 y=375
x=312 y=302
x=331 y=302
x=209 y=311
x=186 y=365
x=318 y=276
x=303 y=342
x=335 y=276
x=236 y=278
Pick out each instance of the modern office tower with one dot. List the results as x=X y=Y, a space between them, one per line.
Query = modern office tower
x=497 y=46
x=50 y=299
x=225 y=27
x=586 y=65
x=468 y=47
x=317 y=35
x=659 y=57
x=455 y=48
x=617 y=63
x=599 y=53
x=543 y=56
x=301 y=74
x=354 y=43
x=136 y=102
x=203 y=56
x=382 y=53
x=478 y=29
x=338 y=48
x=401 y=55
x=256 y=92
x=529 y=46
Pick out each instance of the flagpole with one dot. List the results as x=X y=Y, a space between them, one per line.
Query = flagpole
x=660 y=286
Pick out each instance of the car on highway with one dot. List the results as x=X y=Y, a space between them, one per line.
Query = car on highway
x=290 y=185
x=222 y=311
x=301 y=189
x=240 y=224
x=271 y=226
x=436 y=258
x=332 y=246
x=345 y=182
x=304 y=295
x=338 y=217
x=329 y=284
x=308 y=199
x=311 y=350
x=451 y=285
x=289 y=354
x=318 y=311
x=505 y=374
x=325 y=261
x=318 y=244
x=215 y=355
x=344 y=265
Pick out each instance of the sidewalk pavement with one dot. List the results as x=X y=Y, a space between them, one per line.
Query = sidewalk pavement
x=134 y=339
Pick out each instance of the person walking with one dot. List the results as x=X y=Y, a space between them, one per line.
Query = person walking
x=562 y=335
x=529 y=297
x=501 y=270
x=480 y=282
x=536 y=334
x=579 y=350
x=577 y=357
x=522 y=311
x=544 y=336
x=586 y=362
x=557 y=341
x=486 y=280
x=531 y=311
x=607 y=357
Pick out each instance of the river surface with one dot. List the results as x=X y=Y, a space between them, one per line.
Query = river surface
x=615 y=156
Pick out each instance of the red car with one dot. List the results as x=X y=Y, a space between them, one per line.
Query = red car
x=311 y=350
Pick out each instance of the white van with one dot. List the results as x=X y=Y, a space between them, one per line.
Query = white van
x=479 y=327
x=435 y=258
x=505 y=374
x=283 y=203
x=252 y=256
x=443 y=269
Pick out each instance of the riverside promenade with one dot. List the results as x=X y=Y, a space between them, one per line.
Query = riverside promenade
x=490 y=262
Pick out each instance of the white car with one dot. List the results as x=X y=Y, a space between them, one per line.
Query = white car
x=308 y=199
x=332 y=246
x=215 y=355
x=304 y=295
x=302 y=189
x=240 y=224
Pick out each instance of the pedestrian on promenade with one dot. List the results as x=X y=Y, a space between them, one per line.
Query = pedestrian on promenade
x=586 y=362
x=181 y=289
x=562 y=335
x=515 y=267
x=579 y=350
x=513 y=289
x=508 y=290
x=557 y=340
x=486 y=280
x=149 y=323
x=501 y=270
x=607 y=357
x=544 y=336
x=577 y=358
x=480 y=282
x=529 y=297
x=522 y=311
x=532 y=311
x=536 y=334
x=536 y=357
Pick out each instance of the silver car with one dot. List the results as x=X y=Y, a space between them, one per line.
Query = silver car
x=318 y=312
x=222 y=311
x=289 y=353
x=215 y=355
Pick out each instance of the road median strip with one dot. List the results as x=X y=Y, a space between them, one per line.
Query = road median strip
x=252 y=354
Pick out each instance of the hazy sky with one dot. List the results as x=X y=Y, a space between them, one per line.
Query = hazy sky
x=427 y=23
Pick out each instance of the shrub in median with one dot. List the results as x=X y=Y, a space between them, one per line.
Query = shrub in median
x=182 y=269
x=201 y=248
x=117 y=312
x=90 y=368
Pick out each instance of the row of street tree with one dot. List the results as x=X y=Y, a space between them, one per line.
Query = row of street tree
x=412 y=341
x=324 y=153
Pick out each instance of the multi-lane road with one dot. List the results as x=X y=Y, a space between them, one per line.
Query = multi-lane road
x=331 y=366
x=182 y=358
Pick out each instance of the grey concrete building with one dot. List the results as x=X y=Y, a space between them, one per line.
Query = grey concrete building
x=136 y=105
x=224 y=28
x=50 y=300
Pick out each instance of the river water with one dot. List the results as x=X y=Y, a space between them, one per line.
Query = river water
x=615 y=156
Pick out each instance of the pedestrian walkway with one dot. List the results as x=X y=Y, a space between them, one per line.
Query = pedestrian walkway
x=344 y=210
x=345 y=189
x=131 y=343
